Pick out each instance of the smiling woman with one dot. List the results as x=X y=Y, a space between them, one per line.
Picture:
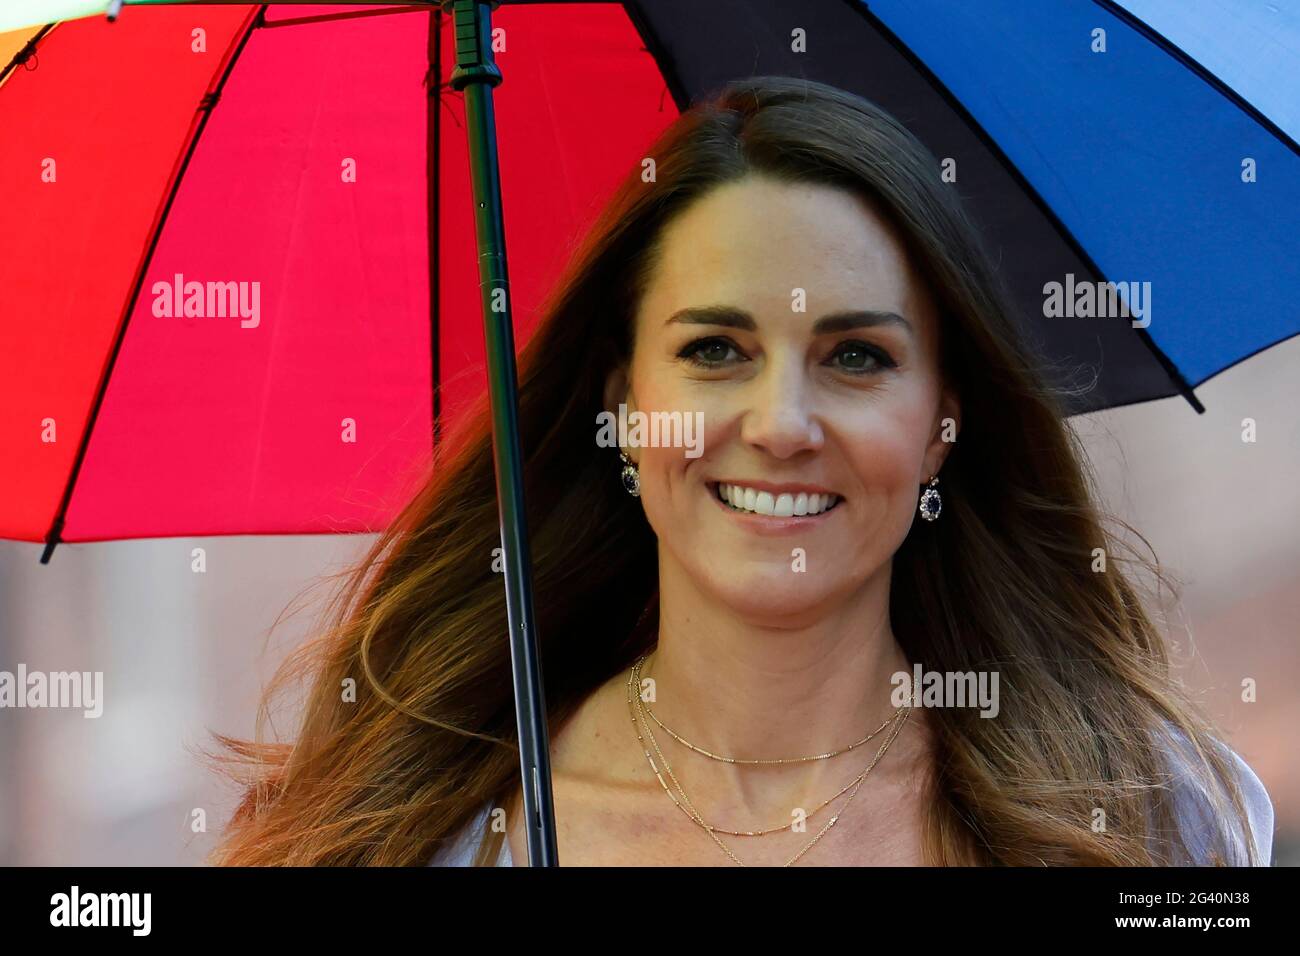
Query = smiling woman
x=720 y=645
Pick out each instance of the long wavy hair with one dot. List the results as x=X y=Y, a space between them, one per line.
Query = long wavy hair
x=1005 y=581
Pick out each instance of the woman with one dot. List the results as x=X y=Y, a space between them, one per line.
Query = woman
x=722 y=624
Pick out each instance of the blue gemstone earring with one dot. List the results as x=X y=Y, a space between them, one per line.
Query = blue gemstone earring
x=931 y=503
x=631 y=477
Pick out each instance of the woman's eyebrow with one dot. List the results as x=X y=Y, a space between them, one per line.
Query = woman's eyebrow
x=835 y=322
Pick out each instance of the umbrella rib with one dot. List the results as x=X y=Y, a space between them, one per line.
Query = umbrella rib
x=352 y=15
x=1186 y=59
x=656 y=49
x=202 y=113
x=433 y=157
x=1175 y=376
x=27 y=52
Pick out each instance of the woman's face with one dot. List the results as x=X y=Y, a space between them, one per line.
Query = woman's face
x=789 y=317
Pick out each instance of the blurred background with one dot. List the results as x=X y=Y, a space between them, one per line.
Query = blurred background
x=185 y=654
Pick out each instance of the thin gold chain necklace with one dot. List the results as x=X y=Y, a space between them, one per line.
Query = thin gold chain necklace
x=695 y=816
x=737 y=760
x=634 y=701
x=692 y=813
x=712 y=831
x=638 y=704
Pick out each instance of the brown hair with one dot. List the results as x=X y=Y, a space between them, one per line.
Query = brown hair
x=1003 y=581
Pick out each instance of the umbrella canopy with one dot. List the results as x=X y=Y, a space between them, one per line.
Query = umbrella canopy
x=308 y=176
x=283 y=165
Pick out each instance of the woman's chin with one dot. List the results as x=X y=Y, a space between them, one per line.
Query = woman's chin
x=770 y=597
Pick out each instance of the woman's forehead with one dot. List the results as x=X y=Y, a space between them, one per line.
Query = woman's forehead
x=771 y=247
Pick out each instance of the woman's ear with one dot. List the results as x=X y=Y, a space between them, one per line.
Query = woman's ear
x=947 y=425
x=618 y=391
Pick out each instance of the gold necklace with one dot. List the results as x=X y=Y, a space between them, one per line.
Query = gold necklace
x=712 y=831
x=695 y=816
x=639 y=708
x=634 y=678
x=737 y=760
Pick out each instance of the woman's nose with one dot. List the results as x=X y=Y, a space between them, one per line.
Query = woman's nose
x=780 y=416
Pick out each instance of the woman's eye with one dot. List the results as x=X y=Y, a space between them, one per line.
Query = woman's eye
x=710 y=352
x=859 y=357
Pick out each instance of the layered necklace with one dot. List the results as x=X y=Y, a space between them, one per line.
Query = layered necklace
x=642 y=716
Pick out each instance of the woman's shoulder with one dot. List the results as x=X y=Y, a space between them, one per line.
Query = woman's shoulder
x=1194 y=808
x=460 y=849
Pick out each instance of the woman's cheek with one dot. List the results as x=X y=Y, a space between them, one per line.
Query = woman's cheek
x=669 y=473
x=719 y=423
x=702 y=431
x=885 y=452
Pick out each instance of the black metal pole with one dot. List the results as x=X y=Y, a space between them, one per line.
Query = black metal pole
x=476 y=75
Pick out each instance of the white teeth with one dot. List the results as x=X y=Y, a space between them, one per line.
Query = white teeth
x=783 y=505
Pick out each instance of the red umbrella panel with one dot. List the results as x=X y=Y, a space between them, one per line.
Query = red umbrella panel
x=223 y=309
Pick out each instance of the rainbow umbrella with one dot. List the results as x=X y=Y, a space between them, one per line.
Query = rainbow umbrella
x=303 y=168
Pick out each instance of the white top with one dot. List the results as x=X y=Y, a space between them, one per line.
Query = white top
x=1192 y=815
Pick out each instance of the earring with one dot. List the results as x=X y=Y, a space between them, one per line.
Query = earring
x=931 y=503
x=631 y=477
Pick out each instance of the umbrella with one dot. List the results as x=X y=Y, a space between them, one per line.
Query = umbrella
x=296 y=152
x=271 y=194
x=1081 y=166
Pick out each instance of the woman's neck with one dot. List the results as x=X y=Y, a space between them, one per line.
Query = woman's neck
x=769 y=689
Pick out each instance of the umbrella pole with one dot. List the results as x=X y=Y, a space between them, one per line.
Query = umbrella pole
x=476 y=74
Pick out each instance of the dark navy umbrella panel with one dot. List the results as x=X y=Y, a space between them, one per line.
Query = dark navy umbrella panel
x=1123 y=165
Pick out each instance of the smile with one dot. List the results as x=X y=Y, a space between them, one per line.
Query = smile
x=774 y=503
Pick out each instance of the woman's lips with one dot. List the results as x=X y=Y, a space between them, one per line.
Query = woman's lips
x=775 y=500
x=771 y=509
